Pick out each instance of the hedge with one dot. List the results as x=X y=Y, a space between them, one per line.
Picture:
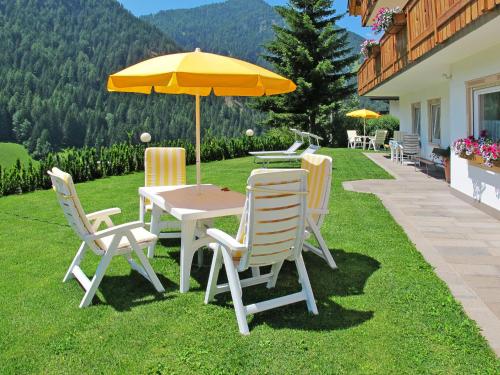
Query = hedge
x=90 y=163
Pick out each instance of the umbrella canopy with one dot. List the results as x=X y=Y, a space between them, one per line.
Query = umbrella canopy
x=364 y=114
x=198 y=73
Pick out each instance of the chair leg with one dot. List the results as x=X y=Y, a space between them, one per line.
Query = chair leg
x=154 y=228
x=235 y=287
x=76 y=262
x=142 y=209
x=96 y=280
x=153 y=278
x=275 y=270
x=214 y=275
x=306 y=285
x=323 y=246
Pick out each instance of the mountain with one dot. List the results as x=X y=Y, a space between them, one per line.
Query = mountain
x=55 y=57
x=236 y=28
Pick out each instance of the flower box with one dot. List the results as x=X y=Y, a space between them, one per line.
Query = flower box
x=478 y=161
x=398 y=22
x=373 y=51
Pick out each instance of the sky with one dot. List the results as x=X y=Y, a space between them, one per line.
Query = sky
x=141 y=7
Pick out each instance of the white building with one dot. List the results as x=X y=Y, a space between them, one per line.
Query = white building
x=440 y=69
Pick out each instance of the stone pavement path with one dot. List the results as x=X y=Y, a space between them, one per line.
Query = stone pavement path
x=460 y=241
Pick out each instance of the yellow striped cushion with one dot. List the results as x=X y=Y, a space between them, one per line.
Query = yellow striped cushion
x=165 y=166
x=319 y=167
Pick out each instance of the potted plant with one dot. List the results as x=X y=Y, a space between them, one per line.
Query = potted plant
x=389 y=20
x=369 y=48
x=443 y=154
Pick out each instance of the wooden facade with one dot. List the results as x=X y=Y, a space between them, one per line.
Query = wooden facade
x=429 y=23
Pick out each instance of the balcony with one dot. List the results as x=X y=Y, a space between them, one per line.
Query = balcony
x=367 y=8
x=429 y=24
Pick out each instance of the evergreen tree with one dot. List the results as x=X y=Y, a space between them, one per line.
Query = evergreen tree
x=314 y=52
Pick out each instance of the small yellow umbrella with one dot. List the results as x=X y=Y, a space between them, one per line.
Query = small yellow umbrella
x=198 y=73
x=364 y=114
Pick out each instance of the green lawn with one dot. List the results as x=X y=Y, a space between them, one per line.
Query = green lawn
x=10 y=152
x=384 y=311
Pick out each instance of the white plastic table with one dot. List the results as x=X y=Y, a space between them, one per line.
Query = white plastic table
x=195 y=207
x=364 y=138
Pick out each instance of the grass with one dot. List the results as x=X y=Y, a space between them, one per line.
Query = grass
x=383 y=312
x=10 y=152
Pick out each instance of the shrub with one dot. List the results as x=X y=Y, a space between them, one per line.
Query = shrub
x=90 y=163
x=385 y=122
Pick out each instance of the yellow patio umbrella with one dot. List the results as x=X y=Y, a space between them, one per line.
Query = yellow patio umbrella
x=364 y=114
x=198 y=73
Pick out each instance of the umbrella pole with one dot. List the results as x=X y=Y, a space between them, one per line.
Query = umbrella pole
x=198 y=147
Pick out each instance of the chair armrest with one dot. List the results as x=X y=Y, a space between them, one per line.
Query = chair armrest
x=225 y=239
x=117 y=229
x=104 y=213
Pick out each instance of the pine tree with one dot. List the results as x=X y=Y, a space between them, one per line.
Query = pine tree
x=314 y=52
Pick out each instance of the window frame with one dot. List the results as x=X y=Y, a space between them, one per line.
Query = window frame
x=430 y=104
x=414 y=130
x=471 y=86
x=475 y=105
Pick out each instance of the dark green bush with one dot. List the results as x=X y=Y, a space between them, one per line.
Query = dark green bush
x=87 y=164
x=385 y=122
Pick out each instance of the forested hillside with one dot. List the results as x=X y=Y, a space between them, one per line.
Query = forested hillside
x=235 y=27
x=55 y=56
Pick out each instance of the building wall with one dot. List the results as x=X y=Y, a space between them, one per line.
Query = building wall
x=438 y=91
x=480 y=184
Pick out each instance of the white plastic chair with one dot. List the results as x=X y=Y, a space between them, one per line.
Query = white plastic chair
x=123 y=239
x=299 y=141
x=394 y=144
x=378 y=140
x=163 y=166
x=271 y=231
x=410 y=148
x=319 y=184
x=353 y=139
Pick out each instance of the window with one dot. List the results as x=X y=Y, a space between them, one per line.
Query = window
x=486 y=112
x=435 y=121
x=415 y=118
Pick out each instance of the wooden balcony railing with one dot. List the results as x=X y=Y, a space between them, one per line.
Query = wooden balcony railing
x=429 y=23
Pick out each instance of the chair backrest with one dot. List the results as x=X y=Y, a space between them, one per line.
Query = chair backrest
x=296 y=145
x=380 y=136
x=351 y=134
x=398 y=135
x=165 y=166
x=63 y=185
x=311 y=149
x=319 y=182
x=411 y=144
x=272 y=225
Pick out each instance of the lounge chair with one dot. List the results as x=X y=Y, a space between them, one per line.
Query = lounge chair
x=378 y=140
x=319 y=184
x=271 y=231
x=163 y=166
x=299 y=141
x=124 y=239
x=311 y=149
